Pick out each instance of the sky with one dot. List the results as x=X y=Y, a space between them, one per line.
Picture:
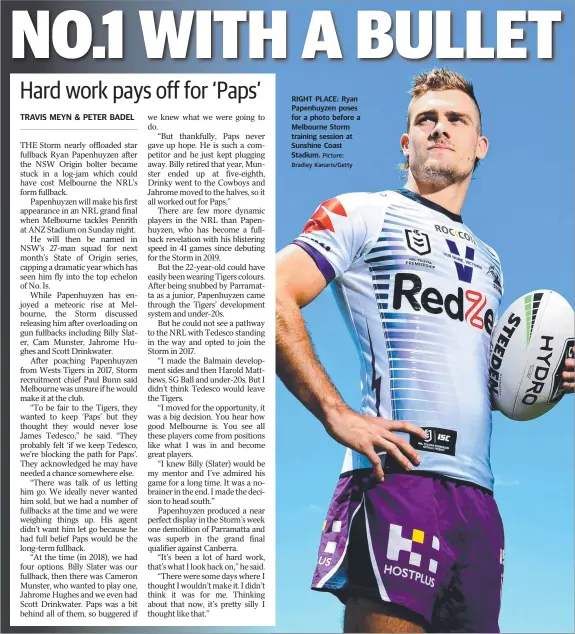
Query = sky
x=521 y=203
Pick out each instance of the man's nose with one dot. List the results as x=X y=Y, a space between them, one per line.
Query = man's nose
x=440 y=129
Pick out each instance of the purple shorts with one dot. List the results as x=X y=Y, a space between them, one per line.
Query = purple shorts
x=429 y=544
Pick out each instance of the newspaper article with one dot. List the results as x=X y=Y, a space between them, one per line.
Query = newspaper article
x=185 y=193
x=142 y=298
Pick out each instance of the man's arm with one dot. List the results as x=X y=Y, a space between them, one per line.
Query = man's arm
x=298 y=283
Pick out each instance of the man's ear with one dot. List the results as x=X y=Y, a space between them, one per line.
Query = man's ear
x=404 y=142
x=482 y=147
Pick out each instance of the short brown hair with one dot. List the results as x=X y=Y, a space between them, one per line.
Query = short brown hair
x=440 y=79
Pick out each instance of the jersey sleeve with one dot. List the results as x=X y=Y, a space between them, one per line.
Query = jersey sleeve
x=337 y=233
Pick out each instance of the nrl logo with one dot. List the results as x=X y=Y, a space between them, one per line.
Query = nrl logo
x=417 y=241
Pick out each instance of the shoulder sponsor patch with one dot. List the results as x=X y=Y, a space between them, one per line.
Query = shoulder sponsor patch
x=320 y=221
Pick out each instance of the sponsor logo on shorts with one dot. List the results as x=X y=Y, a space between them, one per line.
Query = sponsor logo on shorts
x=397 y=544
x=331 y=545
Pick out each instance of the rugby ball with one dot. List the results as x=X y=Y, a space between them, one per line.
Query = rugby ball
x=529 y=346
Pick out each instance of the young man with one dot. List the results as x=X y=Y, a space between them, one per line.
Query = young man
x=413 y=540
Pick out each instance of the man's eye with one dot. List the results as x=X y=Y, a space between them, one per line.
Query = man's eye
x=457 y=119
x=425 y=118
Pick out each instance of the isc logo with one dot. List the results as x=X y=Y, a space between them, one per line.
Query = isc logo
x=444 y=437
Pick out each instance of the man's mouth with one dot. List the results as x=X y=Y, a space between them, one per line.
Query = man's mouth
x=440 y=147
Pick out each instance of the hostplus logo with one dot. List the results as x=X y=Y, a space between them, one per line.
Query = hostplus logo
x=330 y=546
x=398 y=544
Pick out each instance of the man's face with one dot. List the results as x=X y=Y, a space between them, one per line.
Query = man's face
x=443 y=139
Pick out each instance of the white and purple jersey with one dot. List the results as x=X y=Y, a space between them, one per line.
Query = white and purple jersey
x=420 y=295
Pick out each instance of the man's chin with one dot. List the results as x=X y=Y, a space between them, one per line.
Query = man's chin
x=436 y=171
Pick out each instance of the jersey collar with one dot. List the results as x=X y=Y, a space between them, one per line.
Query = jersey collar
x=428 y=203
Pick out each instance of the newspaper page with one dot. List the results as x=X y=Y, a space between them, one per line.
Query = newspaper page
x=179 y=186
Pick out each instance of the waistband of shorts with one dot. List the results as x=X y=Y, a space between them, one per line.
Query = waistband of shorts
x=393 y=467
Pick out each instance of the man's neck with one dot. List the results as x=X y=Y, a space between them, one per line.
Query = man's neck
x=450 y=197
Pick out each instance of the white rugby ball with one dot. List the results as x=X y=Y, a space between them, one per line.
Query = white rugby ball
x=529 y=346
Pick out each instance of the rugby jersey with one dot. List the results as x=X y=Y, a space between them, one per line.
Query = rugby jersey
x=420 y=294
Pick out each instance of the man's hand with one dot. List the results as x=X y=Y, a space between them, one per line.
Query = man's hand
x=368 y=434
x=569 y=375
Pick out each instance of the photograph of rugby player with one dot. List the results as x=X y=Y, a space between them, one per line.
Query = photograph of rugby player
x=413 y=540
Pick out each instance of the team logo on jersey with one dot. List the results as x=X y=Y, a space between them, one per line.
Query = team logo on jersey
x=397 y=544
x=320 y=221
x=417 y=241
x=496 y=279
x=463 y=266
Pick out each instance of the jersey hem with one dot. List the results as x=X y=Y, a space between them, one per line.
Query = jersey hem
x=397 y=470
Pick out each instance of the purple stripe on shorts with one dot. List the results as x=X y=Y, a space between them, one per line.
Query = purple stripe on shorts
x=322 y=263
